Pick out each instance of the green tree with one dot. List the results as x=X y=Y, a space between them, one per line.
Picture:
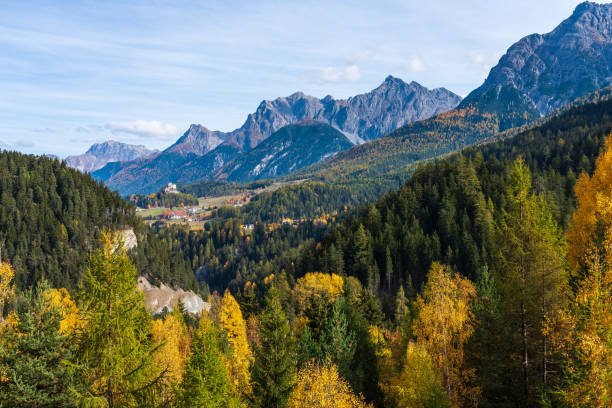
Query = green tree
x=532 y=276
x=274 y=369
x=35 y=369
x=206 y=382
x=116 y=345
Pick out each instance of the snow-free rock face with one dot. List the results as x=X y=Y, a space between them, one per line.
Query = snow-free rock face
x=200 y=152
x=541 y=73
x=158 y=298
x=100 y=154
x=361 y=118
x=129 y=238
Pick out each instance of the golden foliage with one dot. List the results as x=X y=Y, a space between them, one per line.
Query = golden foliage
x=6 y=288
x=321 y=386
x=172 y=337
x=234 y=326
x=319 y=286
x=584 y=338
x=71 y=320
x=593 y=216
x=443 y=324
x=419 y=385
x=583 y=333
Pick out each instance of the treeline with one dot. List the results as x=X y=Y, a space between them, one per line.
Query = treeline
x=161 y=199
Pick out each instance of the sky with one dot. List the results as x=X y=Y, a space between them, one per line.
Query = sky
x=73 y=73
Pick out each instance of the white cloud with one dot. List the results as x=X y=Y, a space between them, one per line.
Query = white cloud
x=331 y=74
x=150 y=129
x=416 y=64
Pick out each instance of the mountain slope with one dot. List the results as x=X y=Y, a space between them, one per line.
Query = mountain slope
x=290 y=148
x=99 y=154
x=538 y=74
x=541 y=73
x=200 y=152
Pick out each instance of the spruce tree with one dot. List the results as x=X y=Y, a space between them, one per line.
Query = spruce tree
x=206 y=382
x=35 y=369
x=274 y=369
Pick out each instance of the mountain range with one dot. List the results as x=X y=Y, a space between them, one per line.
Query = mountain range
x=200 y=152
x=99 y=154
x=537 y=75
x=399 y=122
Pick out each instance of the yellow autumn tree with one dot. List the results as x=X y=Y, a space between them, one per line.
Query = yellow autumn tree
x=172 y=337
x=418 y=385
x=317 y=286
x=443 y=324
x=6 y=294
x=6 y=288
x=583 y=332
x=234 y=326
x=321 y=386
x=60 y=299
x=593 y=217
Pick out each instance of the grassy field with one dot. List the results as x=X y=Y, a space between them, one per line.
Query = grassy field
x=151 y=212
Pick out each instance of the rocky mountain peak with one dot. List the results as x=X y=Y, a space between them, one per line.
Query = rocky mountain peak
x=542 y=72
x=99 y=154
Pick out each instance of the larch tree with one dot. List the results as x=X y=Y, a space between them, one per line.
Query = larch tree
x=583 y=333
x=7 y=274
x=234 y=326
x=444 y=322
x=321 y=386
x=172 y=337
x=115 y=344
x=418 y=385
x=531 y=271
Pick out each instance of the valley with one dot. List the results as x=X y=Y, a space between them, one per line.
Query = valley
x=402 y=247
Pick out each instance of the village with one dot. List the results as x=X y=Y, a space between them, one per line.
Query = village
x=196 y=216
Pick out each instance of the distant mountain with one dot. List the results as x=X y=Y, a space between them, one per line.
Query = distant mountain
x=100 y=154
x=361 y=118
x=200 y=152
x=541 y=73
x=537 y=75
x=288 y=149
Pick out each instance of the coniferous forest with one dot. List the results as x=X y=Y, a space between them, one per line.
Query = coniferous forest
x=438 y=251
x=483 y=281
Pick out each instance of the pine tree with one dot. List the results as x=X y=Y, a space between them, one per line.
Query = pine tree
x=274 y=369
x=36 y=357
x=116 y=345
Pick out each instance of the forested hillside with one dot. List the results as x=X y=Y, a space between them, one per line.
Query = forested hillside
x=51 y=219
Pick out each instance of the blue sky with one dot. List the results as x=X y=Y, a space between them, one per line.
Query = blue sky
x=73 y=73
